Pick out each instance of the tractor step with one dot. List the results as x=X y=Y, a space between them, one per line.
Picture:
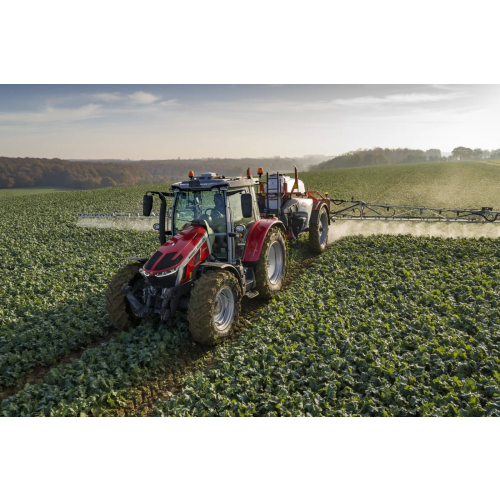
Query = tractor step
x=251 y=294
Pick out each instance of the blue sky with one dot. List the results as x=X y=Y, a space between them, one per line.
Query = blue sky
x=168 y=121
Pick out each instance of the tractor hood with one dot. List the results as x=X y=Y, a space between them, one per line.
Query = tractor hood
x=179 y=255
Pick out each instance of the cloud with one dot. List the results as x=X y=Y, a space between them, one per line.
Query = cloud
x=275 y=106
x=50 y=114
x=170 y=103
x=413 y=98
x=106 y=96
x=141 y=97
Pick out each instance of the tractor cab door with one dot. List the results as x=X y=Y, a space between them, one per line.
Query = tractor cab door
x=208 y=206
x=239 y=221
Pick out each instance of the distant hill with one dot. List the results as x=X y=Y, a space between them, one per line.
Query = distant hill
x=400 y=156
x=380 y=156
x=39 y=172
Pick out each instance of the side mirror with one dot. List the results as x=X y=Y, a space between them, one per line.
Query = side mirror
x=246 y=205
x=147 y=205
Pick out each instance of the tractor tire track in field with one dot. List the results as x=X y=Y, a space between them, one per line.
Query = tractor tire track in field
x=38 y=373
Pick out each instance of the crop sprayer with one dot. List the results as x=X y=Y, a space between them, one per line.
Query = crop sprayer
x=225 y=238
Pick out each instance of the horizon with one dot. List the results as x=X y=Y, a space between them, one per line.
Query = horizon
x=151 y=122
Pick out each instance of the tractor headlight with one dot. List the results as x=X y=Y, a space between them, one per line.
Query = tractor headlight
x=144 y=273
x=166 y=273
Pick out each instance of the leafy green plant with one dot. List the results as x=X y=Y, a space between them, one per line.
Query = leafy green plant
x=381 y=326
x=371 y=315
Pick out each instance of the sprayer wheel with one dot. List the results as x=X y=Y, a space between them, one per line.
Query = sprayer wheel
x=214 y=307
x=118 y=309
x=271 y=267
x=318 y=233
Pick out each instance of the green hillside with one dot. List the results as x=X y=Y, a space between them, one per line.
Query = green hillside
x=465 y=184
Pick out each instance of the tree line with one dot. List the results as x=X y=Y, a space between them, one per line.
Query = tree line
x=462 y=153
x=39 y=172
x=386 y=156
x=81 y=174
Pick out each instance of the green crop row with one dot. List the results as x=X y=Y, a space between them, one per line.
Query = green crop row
x=379 y=326
x=99 y=381
x=54 y=274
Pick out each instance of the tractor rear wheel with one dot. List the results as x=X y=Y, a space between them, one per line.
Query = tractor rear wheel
x=214 y=307
x=119 y=311
x=318 y=233
x=271 y=267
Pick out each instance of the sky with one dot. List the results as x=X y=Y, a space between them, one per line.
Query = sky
x=234 y=121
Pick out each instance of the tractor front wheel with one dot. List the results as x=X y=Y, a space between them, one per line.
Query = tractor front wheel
x=271 y=267
x=119 y=311
x=318 y=233
x=214 y=307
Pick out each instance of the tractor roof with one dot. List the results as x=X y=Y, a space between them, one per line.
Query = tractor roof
x=210 y=180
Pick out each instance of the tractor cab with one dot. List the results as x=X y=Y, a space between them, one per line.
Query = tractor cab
x=227 y=207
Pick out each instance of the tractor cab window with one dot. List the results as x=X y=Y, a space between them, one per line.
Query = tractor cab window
x=239 y=220
x=208 y=206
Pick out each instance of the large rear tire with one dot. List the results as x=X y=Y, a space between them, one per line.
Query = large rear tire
x=271 y=267
x=116 y=304
x=318 y=233
x=214 y=307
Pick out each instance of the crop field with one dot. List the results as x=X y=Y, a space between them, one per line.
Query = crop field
x=386 y=325
x=461 y=184
x=9 y=193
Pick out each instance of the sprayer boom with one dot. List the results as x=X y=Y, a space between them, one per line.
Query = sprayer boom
x=360 y=210
x=114 y=215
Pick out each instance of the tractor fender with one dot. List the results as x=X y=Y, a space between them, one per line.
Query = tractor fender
x=256 y=238
x=224 y=267
x=315 y=212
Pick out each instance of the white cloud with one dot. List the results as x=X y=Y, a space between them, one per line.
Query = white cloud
x=170 y=103
x=106 y=96
x=50 y=114
x=414 y=98
x=256 y=106
x=141 y=97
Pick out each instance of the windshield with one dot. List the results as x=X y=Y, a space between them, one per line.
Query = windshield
x=208 y=206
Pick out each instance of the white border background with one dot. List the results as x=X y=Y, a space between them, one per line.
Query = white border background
x=249 y=42
x=263 y=41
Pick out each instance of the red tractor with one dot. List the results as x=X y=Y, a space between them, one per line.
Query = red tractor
x=227 y=239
